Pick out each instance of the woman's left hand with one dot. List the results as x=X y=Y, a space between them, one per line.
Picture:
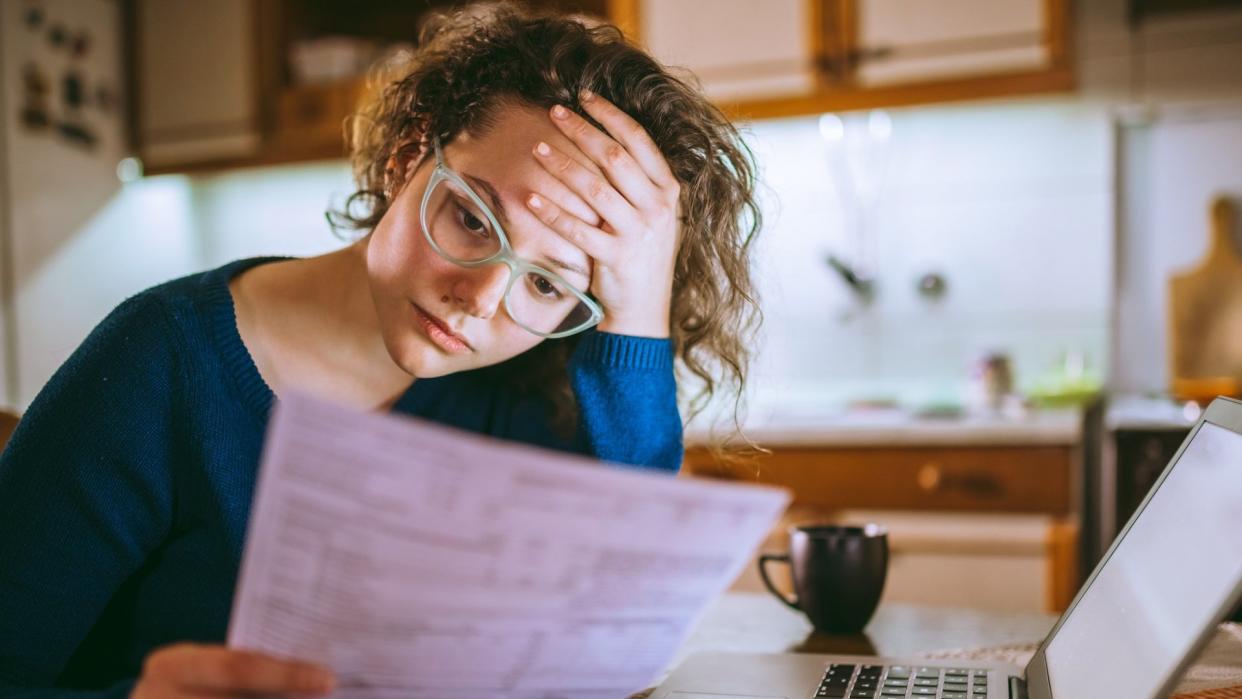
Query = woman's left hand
x=637 y=198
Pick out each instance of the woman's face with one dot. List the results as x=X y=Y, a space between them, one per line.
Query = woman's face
x=437 y=317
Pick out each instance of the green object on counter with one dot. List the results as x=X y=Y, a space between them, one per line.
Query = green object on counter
x=1069 y=383
x=1064 y=395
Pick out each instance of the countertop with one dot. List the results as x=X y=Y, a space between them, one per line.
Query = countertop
x=1136 y=412
x=896 y=427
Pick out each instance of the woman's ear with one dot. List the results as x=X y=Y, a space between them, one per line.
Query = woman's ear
x=401 y=166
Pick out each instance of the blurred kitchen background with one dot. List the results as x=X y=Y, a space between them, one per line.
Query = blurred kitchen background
x=975 y=210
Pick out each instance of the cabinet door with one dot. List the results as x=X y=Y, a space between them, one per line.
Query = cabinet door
x=909 y=41
x=195 y=70
x=738 y=49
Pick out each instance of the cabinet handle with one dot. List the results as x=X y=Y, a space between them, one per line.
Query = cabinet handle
x=930 y=477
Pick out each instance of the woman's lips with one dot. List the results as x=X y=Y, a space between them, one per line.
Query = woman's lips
x=438 y=332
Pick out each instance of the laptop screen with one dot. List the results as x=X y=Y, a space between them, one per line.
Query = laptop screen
x=1173 y=570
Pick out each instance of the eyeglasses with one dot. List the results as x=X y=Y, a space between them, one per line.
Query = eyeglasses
x=464 y=231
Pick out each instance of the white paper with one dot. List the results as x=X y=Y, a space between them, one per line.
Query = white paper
x=423 y=562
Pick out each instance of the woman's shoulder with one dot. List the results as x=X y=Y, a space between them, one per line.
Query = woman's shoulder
x=200 y=287
x=166 y=316
x=190 y=303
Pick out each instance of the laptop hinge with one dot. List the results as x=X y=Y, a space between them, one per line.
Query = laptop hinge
x=1017 y=688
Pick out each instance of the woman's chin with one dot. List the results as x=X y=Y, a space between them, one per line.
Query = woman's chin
x=421 y=359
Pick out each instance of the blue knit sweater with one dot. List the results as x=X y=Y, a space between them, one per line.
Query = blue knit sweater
x=125 y=491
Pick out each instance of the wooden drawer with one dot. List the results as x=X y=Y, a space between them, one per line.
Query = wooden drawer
x=1034 y=479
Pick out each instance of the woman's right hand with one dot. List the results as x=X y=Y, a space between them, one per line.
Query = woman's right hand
x=186 y=670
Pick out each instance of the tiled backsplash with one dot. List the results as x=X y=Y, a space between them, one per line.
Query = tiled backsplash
x=1012 y=204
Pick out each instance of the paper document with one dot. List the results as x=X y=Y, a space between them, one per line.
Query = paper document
x=423 y=562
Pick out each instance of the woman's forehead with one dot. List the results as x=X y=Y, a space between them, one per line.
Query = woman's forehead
x=512 y=137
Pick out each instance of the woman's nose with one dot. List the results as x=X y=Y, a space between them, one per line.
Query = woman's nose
x=479 y=291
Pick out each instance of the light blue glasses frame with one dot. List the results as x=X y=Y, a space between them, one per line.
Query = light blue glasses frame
x=517 y=266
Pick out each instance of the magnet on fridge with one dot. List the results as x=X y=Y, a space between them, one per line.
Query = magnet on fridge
x=77 y=133
x=34 y=114
x=105 y=98
x=81 y=44
x=57 y=35
x=72 y=90
x=33 y=17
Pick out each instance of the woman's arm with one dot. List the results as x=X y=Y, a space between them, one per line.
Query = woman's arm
x=627 y=400
x=625 y=404
x=622 y=375
x=85 y=496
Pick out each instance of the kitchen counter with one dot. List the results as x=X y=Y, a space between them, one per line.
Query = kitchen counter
x=1136 y=412
x=853 y=465
x=895 y=427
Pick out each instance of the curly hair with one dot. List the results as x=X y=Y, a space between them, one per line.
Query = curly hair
x=470 y=62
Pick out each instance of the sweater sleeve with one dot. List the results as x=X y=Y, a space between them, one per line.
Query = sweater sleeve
x=85 y=497
x=627 y=400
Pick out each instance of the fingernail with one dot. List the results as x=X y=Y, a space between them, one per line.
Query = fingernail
x=560 y=112
x=535 y=202
x=586 y=96
x=543 y=149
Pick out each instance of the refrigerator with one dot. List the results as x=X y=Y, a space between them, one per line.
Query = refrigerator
x=62 y=137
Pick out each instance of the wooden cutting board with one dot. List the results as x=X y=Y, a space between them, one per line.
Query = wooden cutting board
x=1205 y=316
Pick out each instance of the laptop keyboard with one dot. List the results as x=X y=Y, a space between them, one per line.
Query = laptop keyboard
x=894 y=682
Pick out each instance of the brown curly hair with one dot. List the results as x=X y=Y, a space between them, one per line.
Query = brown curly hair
x=471 y=61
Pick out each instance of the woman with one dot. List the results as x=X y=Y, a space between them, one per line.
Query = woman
x=550 y=221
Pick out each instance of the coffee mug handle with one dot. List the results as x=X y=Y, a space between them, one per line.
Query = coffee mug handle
x=764 y=558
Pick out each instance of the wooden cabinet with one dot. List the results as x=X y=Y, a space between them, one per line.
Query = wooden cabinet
x=1032 y=479
x=196 y=98
x=992 y=525
x=734 y=51
x=214 y=86
x=909 y=41
x=793 y=57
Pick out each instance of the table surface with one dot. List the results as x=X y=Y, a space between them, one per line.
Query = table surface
x=747 y=622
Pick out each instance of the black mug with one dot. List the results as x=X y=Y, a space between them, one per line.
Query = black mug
x=838 y=574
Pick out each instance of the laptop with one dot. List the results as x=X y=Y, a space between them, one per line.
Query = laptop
x=1173 y=573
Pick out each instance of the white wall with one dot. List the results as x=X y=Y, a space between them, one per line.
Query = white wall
x=268 y=211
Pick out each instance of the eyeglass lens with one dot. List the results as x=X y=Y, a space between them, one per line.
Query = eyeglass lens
x=462 y=230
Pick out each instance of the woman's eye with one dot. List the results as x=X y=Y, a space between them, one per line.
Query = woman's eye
x=471 y=223
x=545 y=287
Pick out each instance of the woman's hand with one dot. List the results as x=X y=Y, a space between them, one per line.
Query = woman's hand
x=188 y=670
x=637 y=197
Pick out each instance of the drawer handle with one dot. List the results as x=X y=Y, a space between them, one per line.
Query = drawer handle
x=930 y=477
